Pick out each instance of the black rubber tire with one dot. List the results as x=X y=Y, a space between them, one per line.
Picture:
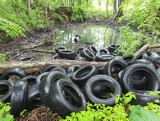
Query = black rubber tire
x=80 y=58
x=103 y=58
x=103 y=51
x=93 y=49
x=153 y=79
x=72 y=69
x=128 y=58
x=67 y=54
x=87 y=54
x=47 y=81
x=6 y=89
x=18 y=97
x=80 y=50
x=59 y=49
x=33 y=97
x=112 y=48
x=56 y=57
x=26 y=59
x=146 y=62
x=114 y=66
x=32 y=80
x=53 y=67
x=58 y=101
x=41 y=76
x=81 y=75
x=102 y=80
x=152 y=56
x=142 y=98
x=13 y=71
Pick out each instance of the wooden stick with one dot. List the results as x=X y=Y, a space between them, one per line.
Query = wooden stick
x=38 y=66
x=42 y=51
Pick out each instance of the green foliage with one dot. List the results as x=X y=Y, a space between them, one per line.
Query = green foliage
x=11 y=29
x=78 y=13
x=4 y=112
x=138 y=113
x=143 y=17
x=97 y=112
x=2 y=58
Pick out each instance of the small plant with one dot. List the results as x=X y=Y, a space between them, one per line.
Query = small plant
x=4 y=112
x=2 y=57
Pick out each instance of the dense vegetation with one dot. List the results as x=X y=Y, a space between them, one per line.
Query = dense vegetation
x=121 y=111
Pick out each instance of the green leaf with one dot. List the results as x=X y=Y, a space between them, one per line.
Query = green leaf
x=140 y=114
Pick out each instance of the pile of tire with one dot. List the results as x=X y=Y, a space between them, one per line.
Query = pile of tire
x=87 y=54
x=67 y=90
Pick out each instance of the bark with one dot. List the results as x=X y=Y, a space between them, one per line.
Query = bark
x=28 y=6
x=143 y=49
x=115 y=7
x=38 y=66
x=107 y=8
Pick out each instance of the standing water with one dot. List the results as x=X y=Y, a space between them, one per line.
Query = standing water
x=99 y=35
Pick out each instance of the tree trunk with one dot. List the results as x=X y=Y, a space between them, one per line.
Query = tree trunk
x=115 y=7
x=107 y=8
x=38 y=66
x=120 y=13
x=28 y=6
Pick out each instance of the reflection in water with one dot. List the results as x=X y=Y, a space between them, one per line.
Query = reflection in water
x=99 y=35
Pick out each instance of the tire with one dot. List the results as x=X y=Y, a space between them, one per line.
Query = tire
x=81 y=75
x=26 y=59
x=80 y=58
x=103 y=51
x=41 y=76
x=18 y=97
x=114 y=66
x=6 y=89
x=67 y=54
x=58 y=98
x=128 y=58
x=47 y=81
x=112 y=48
x=99 y=80
x=151 y=75
x=72 y=69
x=145 y=62
x=152 y=56
x=32 y=80
x=93 y=49
x=59 y=49
x=87 y=54
x=20 y=73
x=142 y=98
x=55 y=57
x=33 y=97
x=103 y=58
x=80 y=50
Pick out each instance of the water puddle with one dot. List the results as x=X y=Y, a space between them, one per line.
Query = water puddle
x=100 y=35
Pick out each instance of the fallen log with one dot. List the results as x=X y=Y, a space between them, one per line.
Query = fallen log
x=38 y=66
x=42 y=51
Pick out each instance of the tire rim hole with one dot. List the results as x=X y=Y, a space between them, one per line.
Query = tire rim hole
x=4 y=89
x=72 y=96
x=83 y=72
x=104 y=90
x=142 y=80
